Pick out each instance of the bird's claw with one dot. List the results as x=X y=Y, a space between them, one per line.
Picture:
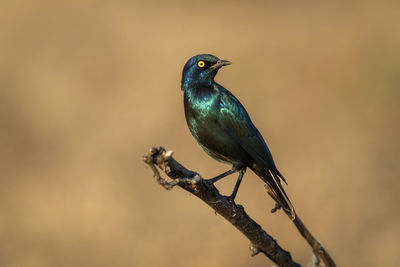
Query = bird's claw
x=277 y=207
x=234 y=207
x=231 y=200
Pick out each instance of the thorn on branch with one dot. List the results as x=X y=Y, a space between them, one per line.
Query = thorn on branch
x=277 y=207
x=254 y=250
x=270 y=192
x=315 y=260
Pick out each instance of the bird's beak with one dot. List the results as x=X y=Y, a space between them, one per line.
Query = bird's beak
x=220 y=63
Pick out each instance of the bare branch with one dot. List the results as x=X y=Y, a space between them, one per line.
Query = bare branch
x=318 y=249
x=260 y=241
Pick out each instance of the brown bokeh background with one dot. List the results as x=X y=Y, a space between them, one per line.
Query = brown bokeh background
x=87 y=87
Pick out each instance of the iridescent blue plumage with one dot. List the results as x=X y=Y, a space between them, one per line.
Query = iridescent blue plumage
x=223 y=128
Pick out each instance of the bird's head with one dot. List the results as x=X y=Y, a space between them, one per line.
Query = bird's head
x=202 y=67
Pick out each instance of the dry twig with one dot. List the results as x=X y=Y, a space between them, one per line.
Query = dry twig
x=192 y=182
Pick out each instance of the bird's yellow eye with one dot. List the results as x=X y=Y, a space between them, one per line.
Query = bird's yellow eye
x=201 y=64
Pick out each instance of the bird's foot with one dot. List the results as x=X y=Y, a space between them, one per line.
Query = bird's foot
x=231 y=199
x=277 y=207
x=234 y=207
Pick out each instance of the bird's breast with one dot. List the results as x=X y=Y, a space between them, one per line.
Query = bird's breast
x=201 y=114
x=202 y=119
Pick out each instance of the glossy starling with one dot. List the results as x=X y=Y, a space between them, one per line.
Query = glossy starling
x=223 y=128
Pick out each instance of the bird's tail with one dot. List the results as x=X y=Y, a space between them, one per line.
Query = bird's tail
x=273 y=180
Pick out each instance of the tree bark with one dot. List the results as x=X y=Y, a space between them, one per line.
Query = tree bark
x=260 y=241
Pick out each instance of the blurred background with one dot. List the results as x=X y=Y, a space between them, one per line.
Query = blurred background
x=87 y=87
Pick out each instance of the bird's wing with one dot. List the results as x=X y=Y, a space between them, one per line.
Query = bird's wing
x=235 y=120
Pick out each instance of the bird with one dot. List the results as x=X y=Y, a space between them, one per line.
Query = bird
x=224 y=130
